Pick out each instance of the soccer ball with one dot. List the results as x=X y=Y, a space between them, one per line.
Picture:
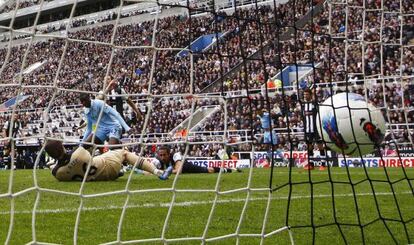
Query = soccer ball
x=349 y=123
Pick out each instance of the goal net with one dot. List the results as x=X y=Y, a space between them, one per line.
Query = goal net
x=231 y=85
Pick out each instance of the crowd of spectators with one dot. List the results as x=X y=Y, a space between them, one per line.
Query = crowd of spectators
x=25 y=158
x=85 y=64
x=22 y=4
x=45 y=24
x=98 y=6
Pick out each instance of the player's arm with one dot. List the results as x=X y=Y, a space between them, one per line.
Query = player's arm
x=178 y=163
x=112 y=112
x=106 y=91
x=100 y=105
x=88 y=130
x=135 y=109
x=132 y=105
x=57 y=151
x=178 y=167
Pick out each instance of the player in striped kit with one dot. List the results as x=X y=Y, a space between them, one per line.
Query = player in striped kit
x=310 y=110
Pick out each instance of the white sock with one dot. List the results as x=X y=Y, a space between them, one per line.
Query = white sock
x=158 y=172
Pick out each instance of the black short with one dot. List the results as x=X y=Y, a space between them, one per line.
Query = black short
x=189 y=168
x=312 y=138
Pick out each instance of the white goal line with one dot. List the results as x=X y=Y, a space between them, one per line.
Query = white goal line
x=194 y=203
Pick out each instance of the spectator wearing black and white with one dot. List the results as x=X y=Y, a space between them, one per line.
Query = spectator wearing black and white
x=15 y=129
x=4 y=160
x=17 y=125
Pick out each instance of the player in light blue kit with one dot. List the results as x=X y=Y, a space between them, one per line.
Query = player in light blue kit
x=269 y=137
x=110 y=126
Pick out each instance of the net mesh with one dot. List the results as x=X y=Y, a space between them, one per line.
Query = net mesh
x=206 y=97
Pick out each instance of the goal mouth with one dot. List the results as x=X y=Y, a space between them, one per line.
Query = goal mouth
x=207 y=121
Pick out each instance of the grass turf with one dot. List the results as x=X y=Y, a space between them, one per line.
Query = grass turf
x=336 y=206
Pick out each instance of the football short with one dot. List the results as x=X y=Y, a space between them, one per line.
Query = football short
x=108 y=165
x=312 y=138
x=193 y=169
x=104 y=133
x=270 y=138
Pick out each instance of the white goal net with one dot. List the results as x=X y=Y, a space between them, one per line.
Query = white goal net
x=204 y=75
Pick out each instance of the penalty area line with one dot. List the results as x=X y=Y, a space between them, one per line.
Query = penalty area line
x=193 y=203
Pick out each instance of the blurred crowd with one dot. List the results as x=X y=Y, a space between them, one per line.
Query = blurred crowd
x=369 y=53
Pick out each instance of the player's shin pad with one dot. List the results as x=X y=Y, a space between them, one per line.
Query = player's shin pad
x=141 y=163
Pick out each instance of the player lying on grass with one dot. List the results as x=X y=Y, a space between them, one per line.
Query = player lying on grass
x=166 y=159
x=74 y=165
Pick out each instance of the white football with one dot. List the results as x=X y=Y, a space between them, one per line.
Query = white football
x=349 y=123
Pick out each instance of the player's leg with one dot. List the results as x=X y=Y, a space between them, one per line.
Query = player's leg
x=188 y=168
x=309 y=143
x=114 y=141
x=266 y=137
x=225 y=170
x=270 y=138
x=141 y=163
x=106 y=166
x=194 y=169
x=322 y=151
x=114 y=136
x=99 y=140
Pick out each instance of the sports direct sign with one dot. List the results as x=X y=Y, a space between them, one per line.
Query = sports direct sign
x=295 y=155
x=407 y=162
x=240 y=163
x=300 y=157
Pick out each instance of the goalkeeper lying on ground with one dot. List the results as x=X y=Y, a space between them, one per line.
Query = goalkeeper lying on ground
x=73 y=166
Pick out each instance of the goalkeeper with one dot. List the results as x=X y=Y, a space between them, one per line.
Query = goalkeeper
x=74 y=165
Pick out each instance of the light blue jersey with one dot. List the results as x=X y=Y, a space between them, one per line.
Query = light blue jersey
x=265 y=120
x=268 y=137
x=110 y=123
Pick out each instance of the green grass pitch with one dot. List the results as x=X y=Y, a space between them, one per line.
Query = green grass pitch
x=341 y=212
